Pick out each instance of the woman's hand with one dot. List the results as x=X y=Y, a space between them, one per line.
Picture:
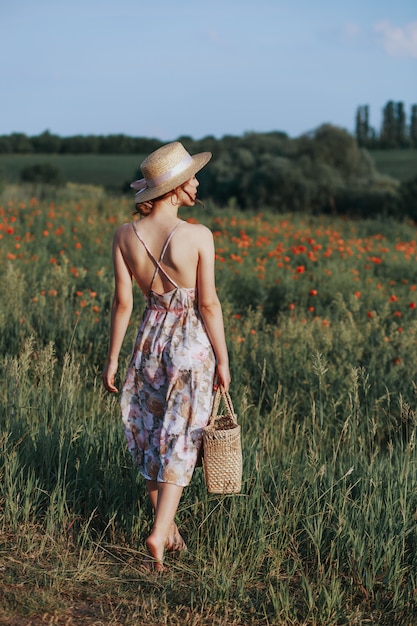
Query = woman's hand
x=222 y=377
x=108 y=376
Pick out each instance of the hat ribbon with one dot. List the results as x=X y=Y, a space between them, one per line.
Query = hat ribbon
x=140 y=185
x=143 y=183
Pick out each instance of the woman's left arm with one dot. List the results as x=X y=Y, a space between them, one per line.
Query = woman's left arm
x=120 y=313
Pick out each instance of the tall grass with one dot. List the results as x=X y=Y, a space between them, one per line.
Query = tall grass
x=324 y=531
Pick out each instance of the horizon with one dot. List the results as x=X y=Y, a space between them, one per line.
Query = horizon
x=266 y=132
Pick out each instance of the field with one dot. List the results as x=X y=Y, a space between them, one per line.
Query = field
x=321 y=321
x=107 y=170
x=400 y=164
x=113 y=171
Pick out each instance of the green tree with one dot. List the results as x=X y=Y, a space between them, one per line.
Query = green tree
x=46 y=143
x=20 y=143
x=232 y=172
x=80 y=144
x=394 y=128
x=362 y=125
x=408 y=195
x=43 y=173
x=413 y=126
x=400 y=119
x=116 y=144
x=335 y=147
x=5 y=144
x=388 y=130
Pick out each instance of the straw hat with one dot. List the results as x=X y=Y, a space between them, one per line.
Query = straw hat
x=167 y=168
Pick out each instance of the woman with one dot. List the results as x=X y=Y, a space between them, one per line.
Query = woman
x=180 y=346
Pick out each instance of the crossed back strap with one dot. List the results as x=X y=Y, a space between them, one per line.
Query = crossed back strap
x=158 y=266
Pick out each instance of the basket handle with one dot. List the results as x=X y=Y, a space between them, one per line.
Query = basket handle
x=222 y=394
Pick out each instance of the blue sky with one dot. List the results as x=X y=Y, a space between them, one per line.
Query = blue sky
x=166 y=68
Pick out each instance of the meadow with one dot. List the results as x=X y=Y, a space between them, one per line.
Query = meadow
x=321 y=323
x=400 y=164
x=113 y=171
x=108 y=170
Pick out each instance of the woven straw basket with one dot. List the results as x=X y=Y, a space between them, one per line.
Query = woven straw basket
x=222 y=448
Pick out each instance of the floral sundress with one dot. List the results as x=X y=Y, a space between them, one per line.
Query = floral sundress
x=167 y=395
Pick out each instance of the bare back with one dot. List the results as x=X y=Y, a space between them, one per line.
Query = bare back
x=180 y=260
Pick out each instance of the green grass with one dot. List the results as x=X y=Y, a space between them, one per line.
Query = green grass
x=95 y=169
x=401 y=164
x=320 y=317
x=114 y=171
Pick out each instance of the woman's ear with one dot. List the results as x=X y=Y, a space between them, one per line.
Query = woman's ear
x=174 y=198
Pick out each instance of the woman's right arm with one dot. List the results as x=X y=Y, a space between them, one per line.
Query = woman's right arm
x=210 y=307
x=120 y=313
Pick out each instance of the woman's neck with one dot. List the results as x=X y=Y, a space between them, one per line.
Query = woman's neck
x=165 y=209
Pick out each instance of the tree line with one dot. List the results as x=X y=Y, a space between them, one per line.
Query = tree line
x=325 y=171
x=395 y=132
x=49 y=143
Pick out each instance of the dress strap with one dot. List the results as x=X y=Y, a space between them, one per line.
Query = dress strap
x=158 y=266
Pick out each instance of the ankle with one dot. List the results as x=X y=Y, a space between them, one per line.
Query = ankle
x=155 y=545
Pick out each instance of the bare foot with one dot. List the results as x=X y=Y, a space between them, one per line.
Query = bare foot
x=175 y=542
x=151 y=565
x=156 y=555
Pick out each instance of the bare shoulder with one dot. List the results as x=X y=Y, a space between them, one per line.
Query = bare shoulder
x=122 y=232
x=199 y=231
